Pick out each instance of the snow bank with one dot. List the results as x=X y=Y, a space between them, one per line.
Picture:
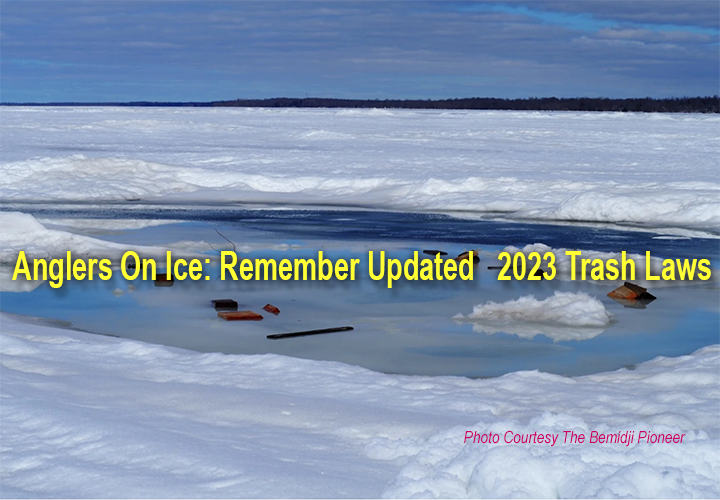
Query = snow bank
x=107 y=224
x=23 y=232
x=85 y=415
x=538 y=166
x=562 y=316
x=19 y=231
x=80 y=178
x=644 y=203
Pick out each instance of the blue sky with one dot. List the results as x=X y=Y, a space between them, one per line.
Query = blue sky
x=201 y=51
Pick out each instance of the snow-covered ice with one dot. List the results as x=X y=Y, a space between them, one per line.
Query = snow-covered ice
x=24 y=232
x=655 y=170
x=84 y=415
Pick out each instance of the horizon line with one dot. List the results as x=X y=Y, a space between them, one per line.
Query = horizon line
x=387 y=99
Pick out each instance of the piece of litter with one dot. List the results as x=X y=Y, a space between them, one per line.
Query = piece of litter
x=272 y=309
x=630 y=291
x=310 y=332
x=434 y=252
x=240 y=316
x=162 y=280
x=465 y=255
x=224 y=304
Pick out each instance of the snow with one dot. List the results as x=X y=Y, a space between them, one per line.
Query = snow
x=583 y=167
x=23 y=232
x=106 y=224
x=562 y=316
x=85 y=415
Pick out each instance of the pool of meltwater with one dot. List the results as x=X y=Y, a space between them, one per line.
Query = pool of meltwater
x=409 y=329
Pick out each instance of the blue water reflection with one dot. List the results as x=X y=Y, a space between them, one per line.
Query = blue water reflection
x=409 y=329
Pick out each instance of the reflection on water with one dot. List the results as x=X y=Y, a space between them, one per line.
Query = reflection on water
x=408 y=329
x=528 y=330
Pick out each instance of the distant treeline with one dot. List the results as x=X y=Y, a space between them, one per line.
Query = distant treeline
x=644 y=105
x=710 y=104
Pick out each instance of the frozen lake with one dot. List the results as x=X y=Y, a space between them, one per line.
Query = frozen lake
x=287 y=182
x=153 y=421
x=655 y=171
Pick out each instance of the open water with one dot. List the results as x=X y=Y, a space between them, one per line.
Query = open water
x=408 y=329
